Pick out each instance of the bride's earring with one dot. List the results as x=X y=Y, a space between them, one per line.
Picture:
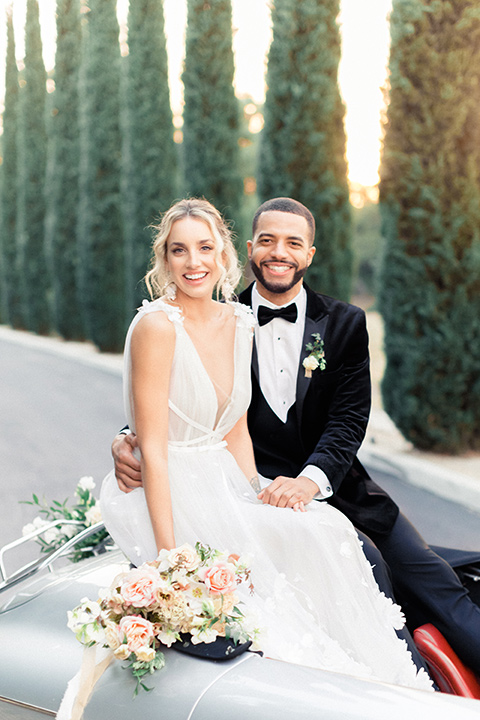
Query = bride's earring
x=171 y=291
x=227 y=290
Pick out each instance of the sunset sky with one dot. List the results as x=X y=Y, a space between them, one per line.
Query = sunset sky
x=362 y=71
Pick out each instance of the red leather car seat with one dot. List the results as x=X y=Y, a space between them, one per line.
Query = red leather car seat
x=447 y=670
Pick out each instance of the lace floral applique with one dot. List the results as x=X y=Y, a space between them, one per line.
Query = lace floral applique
x=245 y=314
x=173 y=313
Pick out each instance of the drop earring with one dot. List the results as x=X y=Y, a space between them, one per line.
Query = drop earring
x=170 y=291
x=227 y=290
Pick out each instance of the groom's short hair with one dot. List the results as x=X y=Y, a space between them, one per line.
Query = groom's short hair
x=289 y=205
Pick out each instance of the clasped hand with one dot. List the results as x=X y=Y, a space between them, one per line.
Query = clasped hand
x=289 y=492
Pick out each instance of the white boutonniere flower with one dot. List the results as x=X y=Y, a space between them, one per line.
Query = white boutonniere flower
x=316 y=358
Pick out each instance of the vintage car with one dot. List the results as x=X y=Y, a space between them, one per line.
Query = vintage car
x=39 y=654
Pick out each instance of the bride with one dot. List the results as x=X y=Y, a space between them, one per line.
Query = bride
x=186 y=392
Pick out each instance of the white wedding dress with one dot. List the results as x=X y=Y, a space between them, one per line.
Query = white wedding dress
x=316 y=601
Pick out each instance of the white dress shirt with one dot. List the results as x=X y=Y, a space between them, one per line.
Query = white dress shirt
x=279 y=346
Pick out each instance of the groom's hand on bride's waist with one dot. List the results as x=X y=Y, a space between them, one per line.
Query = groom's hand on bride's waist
x=289 y=492
x=127 y=466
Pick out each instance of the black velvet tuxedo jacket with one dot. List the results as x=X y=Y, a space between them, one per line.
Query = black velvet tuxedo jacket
x=331 y=413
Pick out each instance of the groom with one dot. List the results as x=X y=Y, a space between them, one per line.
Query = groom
x=306 y=430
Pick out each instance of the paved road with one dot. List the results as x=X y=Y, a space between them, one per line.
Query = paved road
x=58 y=418
x=440 y=521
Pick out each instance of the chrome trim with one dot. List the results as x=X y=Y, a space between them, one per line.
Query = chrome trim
x=46 y=562
x=28 y=538
x=27 y=706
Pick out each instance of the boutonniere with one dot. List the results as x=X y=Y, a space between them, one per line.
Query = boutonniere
x=316 y=359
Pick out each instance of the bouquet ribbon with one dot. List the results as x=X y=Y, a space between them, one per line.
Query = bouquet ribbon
x=84 y=683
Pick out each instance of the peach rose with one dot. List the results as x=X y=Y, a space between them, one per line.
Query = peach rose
x=220 y=578
x=137 y=630
x=145 y=654
x=139 y=586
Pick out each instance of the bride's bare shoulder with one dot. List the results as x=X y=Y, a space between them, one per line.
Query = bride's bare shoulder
x=153 y=326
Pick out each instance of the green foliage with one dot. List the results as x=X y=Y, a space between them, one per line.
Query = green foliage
x=151 y=176
x=31 y=150
x=11 y=307
x=100 y=226
x=63 y=176
x=140 y=668
x=303 y=142
x=84 y=512
x=430 y=196
x=211 y=113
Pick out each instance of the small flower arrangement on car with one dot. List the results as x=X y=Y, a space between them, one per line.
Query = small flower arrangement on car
x=185 y=591
x=316 y=358
x=85 y=512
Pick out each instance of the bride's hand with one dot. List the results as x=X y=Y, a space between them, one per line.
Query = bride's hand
x=127 y=467
x=289 y=492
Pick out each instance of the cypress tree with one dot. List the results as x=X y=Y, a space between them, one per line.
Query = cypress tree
x=101 y=240
x=152 y=160
x=430 y=202
x=63 y=188
x=302 y=147
x=211 y=113
x=11 y=297
x=31 y=150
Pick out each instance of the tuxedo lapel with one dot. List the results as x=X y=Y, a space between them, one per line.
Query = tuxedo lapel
x=315 y=322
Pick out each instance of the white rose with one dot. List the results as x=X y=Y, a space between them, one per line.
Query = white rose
x=113 y=637
x=122 y=652
x=27 y=529
x=93 y=514
x=184 y=556
x=310 y=363
x=86 y=483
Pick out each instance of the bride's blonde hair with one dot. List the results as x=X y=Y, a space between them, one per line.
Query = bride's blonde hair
x=158 y=279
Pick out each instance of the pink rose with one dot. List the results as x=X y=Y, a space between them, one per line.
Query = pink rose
x=139 y=586
x=137 y=630
x=220 y=578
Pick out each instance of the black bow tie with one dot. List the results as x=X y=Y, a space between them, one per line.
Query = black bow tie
x=265 y=314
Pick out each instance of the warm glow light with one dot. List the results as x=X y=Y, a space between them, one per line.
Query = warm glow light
x=361 y=74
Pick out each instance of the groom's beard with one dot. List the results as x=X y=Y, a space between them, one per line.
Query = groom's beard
x=280 y=287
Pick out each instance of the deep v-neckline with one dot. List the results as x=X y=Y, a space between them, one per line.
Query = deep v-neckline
x=223 y=407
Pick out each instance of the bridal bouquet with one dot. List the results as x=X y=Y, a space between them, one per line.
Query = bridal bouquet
x=186 y=590
x=85 y=510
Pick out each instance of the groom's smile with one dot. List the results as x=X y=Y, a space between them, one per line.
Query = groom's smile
x=280 y=254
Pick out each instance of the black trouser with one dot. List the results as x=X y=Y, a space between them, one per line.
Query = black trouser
x=425 y=581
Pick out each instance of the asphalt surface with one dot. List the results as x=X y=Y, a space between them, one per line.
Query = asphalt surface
x=59 y=416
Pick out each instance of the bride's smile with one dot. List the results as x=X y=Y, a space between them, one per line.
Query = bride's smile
x=191 y=257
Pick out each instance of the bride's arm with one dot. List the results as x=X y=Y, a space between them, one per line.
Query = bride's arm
x=152 y=348
x=240 y=445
